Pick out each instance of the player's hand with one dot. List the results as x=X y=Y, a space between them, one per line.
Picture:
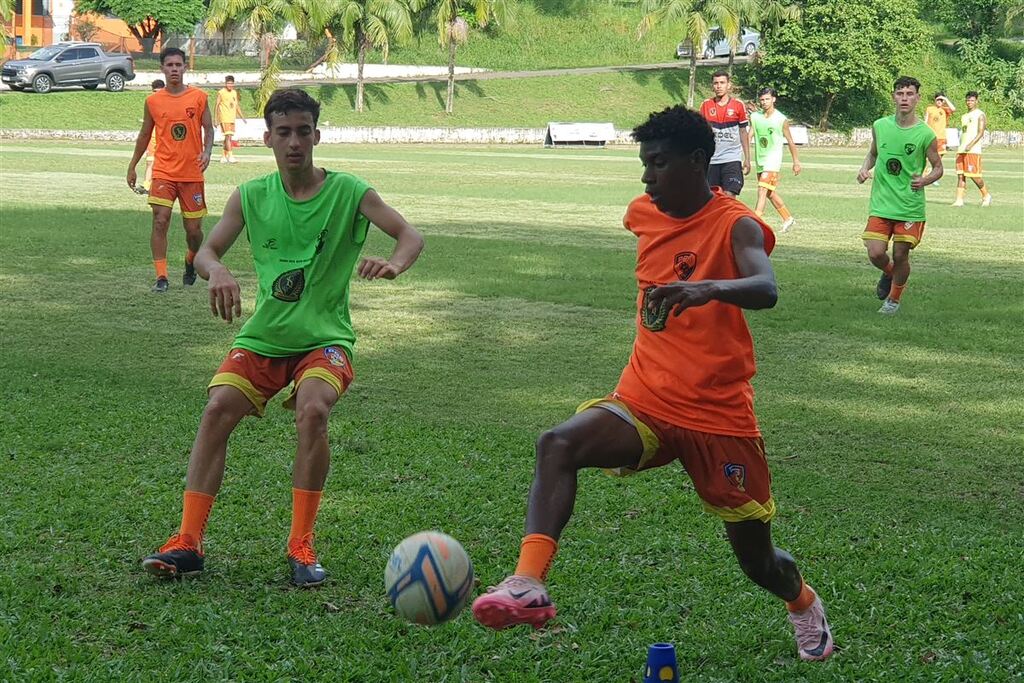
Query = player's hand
x=225 y=295
x=204 y=160
x=797 y=168
x=746 y=167
x=863 y=175
x=373 y=268
x=132 y=177
x=680 y=296
x=917 y=183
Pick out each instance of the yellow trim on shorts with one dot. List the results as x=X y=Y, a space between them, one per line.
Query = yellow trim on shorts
x=194 y=214
x=647 y=437
x=748 y=511
x=160 y=201
x=231 y=379
x=910 y=239
x=968 y=175
x=318 y=373
x=766 y=185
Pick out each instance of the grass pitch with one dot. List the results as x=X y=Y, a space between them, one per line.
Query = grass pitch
x=895 y=443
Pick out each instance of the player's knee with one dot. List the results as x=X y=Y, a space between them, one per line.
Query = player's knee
x=900 y=257
x=220 y=408
x=161 y=224
x=555 y=448
x=757 y=567
x=311 y=416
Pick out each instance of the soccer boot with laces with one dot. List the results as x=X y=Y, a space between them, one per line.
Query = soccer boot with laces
x=813 y=635
x=306 y=571
x=161 y=286
x=180 y=556
x=188 y=278
x=883 y=286
x=516 y=600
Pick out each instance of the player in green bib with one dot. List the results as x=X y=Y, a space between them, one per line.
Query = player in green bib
x=900 y=144
x=771 y=132
x=306 y=227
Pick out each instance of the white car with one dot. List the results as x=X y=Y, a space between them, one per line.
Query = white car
x=750 y=41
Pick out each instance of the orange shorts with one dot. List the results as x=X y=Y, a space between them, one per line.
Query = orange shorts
x=260 y=377
x=899 y=231
x=768 y=179
x=968 y=165
x=189 y=195
x=729 y=473
x=227 y=128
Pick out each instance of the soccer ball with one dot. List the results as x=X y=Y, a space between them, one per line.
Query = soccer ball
x=428 y=578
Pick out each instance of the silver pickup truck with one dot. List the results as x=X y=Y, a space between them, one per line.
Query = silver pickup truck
x=63 y=64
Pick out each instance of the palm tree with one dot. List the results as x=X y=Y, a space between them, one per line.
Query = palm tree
x=772 y=14
x=264 y=18
x=696 y=17
x=363 y=25
x=5 y=15
x=452 y=29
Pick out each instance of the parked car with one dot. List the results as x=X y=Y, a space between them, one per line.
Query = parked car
x=70 y=63
x=750 y=41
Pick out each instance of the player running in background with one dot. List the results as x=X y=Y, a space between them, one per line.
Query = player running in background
x=158 y=84
x=771 y=129
x=937 y=117
x=900 y=144
x=184 y=131
x=728 y=119
x=968 y=158
x=685 y=394
x=228 y=109
x=305 y=227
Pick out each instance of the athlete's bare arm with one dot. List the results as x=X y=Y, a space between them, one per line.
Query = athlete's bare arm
x=869 y=160
x=755 y=288
x=792 y=147
x=918 y=182
x=745 y=143
x=225 y=295
x=982 y=123
x=204 y=156
x=141 y=143
x=409 y=242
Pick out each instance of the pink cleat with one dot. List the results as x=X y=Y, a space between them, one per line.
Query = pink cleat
x=813 y=636
x=516 y=600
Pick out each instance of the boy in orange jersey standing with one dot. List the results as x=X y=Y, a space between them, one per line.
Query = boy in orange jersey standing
x=184 y=131
x=702 y=257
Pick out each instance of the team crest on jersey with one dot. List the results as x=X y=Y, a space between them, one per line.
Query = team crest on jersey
x=684 y=265
x=729 y=112
x=190 y=112
x=763 y=141
x=894 y=166
x=713 y=111
x=320 y=241
x=909 y=148
x=736 y=474
x=288 y=286
x=334 y=356
x=178 y=131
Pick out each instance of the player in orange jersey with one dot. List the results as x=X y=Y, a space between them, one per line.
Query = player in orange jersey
x=184 y=131
x=702 y=257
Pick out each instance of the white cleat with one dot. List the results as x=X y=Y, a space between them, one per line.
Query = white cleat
x=223 y=160
x=232 y=160
x=889 y=307
x=958 y=202
x=987 y=200
x=787 y=224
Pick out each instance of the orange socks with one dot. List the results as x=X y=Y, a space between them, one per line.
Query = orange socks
x=190 y=256
x=535 y=555
x=784 y=213
x=803 y=601
x=161 y=268
x=896 y=291
x=194 y=513
x=305 y=505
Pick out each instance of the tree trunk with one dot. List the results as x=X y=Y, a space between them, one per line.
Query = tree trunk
x=732 y=59
x=266 y=47
x=823 y=123
x=450 y=103
x=360 y=61
x=693 y=78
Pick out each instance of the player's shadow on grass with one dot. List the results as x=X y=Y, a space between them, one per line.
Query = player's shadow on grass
x=675 y=82
x=440 y=90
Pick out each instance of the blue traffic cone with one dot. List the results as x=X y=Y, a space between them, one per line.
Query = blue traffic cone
x=661 y=664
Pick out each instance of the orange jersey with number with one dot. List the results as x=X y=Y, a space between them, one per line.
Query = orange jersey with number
x=178 y=124
x=695 y=371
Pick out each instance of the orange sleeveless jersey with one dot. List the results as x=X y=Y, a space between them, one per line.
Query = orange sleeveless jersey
x=178 y=123
x=694 y=373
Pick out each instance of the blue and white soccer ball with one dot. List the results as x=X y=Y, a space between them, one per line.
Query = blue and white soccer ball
x=429 y=578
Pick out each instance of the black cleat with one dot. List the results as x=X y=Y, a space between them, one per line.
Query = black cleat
x=189 y=277
x=180 y=556
x=161 y=285
x=306 y=571
x=883 y=287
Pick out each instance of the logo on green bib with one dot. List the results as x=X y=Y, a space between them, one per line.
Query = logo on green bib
x=288 y=286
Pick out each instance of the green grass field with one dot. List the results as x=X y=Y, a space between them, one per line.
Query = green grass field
x=895 y=443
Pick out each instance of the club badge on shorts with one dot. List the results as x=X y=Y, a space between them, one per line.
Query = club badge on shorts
x=334 y=356
x=736 y=474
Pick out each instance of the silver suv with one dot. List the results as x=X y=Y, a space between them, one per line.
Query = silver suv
x=72 y=63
